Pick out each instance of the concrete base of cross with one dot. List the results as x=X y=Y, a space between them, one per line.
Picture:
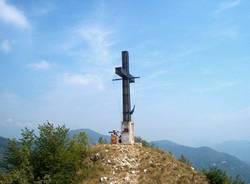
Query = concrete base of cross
x=127 y=132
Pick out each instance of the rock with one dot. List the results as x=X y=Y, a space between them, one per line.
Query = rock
x=139 y=144
x=175 y=166
x=95 y=157
x=125 y=164
x=127 y=178
x=103 y=178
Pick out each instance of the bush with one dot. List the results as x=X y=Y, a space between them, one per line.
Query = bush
x=183 y=159
x=217 y=176
x=143 y=142
x=101 y=140
x=50 y=157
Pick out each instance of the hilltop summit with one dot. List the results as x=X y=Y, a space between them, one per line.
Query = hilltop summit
x=134 y=164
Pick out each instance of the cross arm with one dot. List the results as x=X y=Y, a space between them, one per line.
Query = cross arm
x=122 y=73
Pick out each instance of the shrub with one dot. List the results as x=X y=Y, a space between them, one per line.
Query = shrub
x=50 y=157
x=143 y=142
x=101 y=140
x=217 y=176
x=184 y=160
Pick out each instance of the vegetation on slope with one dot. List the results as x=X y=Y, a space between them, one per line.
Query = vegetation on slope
x=93 y=136
x=50 y=157
x=3 y=147
x=217 y=176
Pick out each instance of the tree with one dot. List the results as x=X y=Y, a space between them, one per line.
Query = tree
x=238 y=180
x=19 y=158
x=184 y=160
x=49 y=157
x=101 y=140
x=217 y=176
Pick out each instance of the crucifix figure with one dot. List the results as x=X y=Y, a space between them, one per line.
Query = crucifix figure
x=127 y=129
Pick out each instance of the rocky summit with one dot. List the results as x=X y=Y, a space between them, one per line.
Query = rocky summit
x=135 y=164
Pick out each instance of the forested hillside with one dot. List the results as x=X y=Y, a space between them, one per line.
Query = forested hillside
x=205 y=158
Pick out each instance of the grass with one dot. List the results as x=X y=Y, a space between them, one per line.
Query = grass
x=143 y=165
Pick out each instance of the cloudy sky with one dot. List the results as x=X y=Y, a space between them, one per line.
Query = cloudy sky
x=57 y=62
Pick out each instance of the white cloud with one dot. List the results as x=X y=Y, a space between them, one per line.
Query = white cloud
x=226 y=6
x=84 y=80
x=90 y=45
x=98 y=40
x=5 y=46
x=41 y=65
x=10 y=14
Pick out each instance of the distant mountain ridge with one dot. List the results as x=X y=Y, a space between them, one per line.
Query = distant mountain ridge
x=238 y=148
x=205 y=157
x=92 y=135
x=3 y=143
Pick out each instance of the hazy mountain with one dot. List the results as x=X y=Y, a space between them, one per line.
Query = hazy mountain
x=3 y=144
x=240 y=149
x=205 y=157
x=92 y=135
x=3 y=147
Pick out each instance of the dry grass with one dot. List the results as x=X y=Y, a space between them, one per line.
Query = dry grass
x=123 y=164
x=164 y=168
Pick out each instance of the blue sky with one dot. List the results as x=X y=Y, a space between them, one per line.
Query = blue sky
x=57 y=61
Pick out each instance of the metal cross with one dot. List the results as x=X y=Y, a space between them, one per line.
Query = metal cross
x=126 y=78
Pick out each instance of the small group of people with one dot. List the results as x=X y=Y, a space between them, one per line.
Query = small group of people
x=115 y=137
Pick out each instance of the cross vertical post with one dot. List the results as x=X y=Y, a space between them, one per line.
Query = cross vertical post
x=126 y=88
x=127 y=129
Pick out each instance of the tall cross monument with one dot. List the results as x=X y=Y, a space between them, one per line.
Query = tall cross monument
x=127 y=128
